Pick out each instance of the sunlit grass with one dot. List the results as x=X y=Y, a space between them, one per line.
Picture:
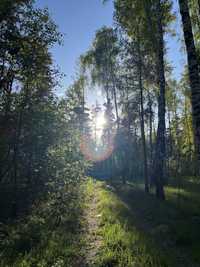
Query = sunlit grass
x=123 y=244
x=174 y=223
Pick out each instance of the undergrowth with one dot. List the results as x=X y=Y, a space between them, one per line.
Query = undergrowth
x=50 y=236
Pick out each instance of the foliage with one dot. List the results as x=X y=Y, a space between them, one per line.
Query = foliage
x=49 y=236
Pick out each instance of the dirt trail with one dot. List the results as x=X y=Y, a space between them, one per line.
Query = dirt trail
x=93 y=238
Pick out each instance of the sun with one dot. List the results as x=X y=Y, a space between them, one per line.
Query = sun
x=101 y=121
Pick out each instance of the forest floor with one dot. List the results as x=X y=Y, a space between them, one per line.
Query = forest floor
x=127 y=228
x=112 y=226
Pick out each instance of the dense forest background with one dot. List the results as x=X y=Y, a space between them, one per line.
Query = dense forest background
x=143 y=143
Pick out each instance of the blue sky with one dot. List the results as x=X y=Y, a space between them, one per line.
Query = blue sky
x=78 y=20
x=175 y=53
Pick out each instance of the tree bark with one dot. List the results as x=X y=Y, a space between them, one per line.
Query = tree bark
x=142 y=120
x=199 y=6
x=160 y=141
x=150 y=129
x=115 y=94
x=193 y=71
x=116 y=105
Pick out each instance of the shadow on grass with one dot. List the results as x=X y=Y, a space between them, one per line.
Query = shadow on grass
x=183 y=193
x=174 y=233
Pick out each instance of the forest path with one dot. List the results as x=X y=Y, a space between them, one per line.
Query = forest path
x=92 y=217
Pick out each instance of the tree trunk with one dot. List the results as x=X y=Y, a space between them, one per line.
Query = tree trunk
x=193 y=71
x=160 y=141
x=142 y=120
x=150 y=129
x=116 y=105
x=115 y=94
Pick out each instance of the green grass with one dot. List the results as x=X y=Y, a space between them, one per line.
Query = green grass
x=172 y=224
x=185 y=196
x=136 y=230
x=186 y=201
x=124 y=245
x=139 y=230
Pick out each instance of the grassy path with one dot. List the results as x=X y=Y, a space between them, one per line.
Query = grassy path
x=112 y=240
x=129 y=229
x=92 y=217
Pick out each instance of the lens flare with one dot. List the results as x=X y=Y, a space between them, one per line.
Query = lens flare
x=96 y=153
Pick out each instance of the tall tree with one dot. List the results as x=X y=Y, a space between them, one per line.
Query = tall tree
x=193 y=67
x=160 y=141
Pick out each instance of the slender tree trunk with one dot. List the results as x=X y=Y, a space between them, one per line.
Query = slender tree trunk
x=150 y=129
x=170 y=133
x=116 y=105
x=129 y=131
x=129 y=117
x=193 y=71
x=115 y=95
x=188 y=136
x=160 y=141
x=142 y=121
x=170 y=150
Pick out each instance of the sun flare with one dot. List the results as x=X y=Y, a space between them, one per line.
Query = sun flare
x=100 y=121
